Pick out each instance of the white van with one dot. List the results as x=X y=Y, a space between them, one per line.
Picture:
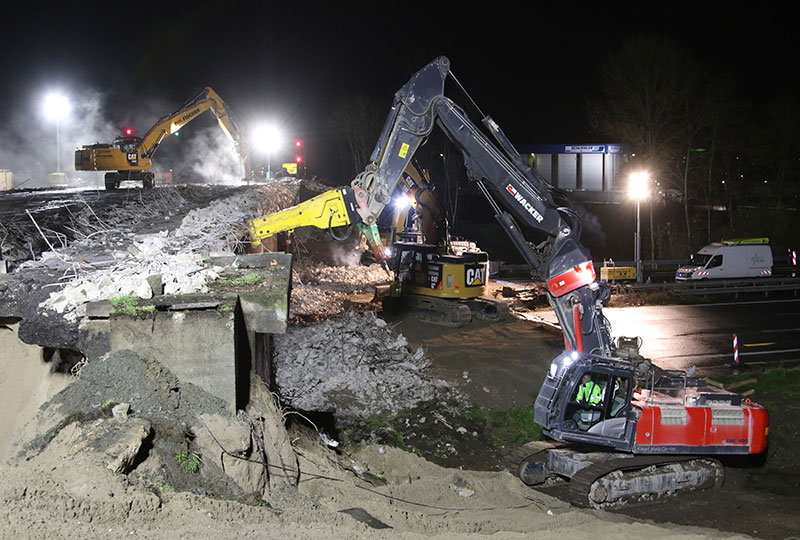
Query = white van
x=744 y=258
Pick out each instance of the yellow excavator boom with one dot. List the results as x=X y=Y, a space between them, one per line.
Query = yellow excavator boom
x=330 y=209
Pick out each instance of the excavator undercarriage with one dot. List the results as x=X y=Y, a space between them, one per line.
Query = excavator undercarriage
x=605 y=480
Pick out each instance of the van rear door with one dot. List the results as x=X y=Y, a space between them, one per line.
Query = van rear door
x=759 y=261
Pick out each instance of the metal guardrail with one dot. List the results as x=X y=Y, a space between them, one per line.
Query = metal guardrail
x=734 y=287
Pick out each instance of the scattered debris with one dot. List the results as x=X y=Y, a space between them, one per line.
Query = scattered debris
x=354 y=366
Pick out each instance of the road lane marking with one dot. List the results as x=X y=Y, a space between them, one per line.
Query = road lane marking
x=737 y=303
x=758 y=344
x=728 y=355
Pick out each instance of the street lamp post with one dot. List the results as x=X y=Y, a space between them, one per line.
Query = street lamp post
x=638 y=191
x=56 y=108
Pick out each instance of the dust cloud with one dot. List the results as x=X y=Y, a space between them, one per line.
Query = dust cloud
x=212 y=158
x=28 y=145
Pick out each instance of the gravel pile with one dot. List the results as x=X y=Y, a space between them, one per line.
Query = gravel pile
x=354 y=366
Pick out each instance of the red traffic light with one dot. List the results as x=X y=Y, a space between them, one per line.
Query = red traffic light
x=298 y=143
x=299 y=159
x=129 y=131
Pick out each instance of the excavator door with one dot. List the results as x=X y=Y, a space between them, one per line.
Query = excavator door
x=592 y=405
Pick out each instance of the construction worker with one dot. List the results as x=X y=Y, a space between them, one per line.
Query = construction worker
x=589 y=391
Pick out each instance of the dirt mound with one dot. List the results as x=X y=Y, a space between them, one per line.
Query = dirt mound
x=134 y=416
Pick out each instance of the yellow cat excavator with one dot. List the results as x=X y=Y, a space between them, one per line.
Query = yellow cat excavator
x=129 y=157
x=441 y=279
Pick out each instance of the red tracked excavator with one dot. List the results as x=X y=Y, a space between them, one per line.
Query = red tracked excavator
x=646 y=432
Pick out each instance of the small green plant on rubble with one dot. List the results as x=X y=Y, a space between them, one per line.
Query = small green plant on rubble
x=247 y=279
x=124 y=304
x=190 y=460
x=128 y=305
x=164 y=487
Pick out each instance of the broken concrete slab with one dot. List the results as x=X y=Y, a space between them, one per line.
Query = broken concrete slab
x=94 y=338
x=197 y=346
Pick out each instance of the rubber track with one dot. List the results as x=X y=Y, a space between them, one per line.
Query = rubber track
x=443 y=312
x=581 y=483
x=514 y=459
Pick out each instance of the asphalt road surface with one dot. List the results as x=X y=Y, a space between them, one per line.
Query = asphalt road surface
x=679 y=337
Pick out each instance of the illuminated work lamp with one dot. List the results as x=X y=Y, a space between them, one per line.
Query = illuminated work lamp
x=56 y=109
x=638 y=190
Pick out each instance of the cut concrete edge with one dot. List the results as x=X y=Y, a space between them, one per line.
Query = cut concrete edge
x=253 y=260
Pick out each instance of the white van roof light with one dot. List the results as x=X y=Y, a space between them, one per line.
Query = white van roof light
x=742 y=241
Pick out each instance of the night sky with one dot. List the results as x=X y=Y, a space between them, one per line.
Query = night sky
x=293 y=62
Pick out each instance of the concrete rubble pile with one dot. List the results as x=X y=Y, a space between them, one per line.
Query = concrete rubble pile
x=176 y=256
x=327 y=291
x=351 y=276
x=354 y=366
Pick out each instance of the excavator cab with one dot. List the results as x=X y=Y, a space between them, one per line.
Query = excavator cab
x=128 y=144
x=587 y=399
x=599 y=404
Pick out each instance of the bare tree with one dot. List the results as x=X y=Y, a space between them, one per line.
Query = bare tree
x=777 y=140
x=357 y=121
x=643 y=94
x=649 y=99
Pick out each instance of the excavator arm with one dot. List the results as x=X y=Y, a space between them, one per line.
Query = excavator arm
x=504 y=179
x=208 y=99
x=507 y=182
x=416 y=186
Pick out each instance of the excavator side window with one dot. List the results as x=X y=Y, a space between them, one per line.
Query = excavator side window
x=585 y=407
x=599 y=405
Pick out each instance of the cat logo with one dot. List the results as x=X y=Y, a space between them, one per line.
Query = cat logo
x=133 y=158
x=475 y=276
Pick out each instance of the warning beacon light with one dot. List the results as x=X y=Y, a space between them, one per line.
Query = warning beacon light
x=129 y=132
x=298 y=143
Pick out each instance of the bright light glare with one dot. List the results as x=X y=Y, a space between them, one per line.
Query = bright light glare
x=402 y=202
x=266 y=139
x=638 y=186
x=56 y=107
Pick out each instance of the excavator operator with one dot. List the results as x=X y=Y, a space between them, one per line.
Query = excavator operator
x=589 y=391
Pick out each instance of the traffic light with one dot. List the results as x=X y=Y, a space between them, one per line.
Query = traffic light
x=299 y=156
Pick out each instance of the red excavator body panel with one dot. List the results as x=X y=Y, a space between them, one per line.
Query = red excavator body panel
x=709 y=428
